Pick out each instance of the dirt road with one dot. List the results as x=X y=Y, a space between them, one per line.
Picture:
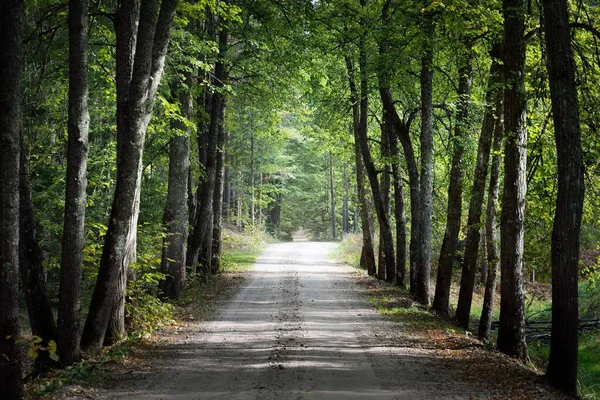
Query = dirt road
x=298 y=329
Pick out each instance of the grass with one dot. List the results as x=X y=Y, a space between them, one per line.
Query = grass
x=588 y=366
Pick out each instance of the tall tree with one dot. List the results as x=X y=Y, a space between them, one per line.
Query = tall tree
x=204 y=219
x=562 y=364
x=69 y=318
x=401 y=128
x=11 y=17
x=175 y=217
x=491 y=230
x=142 y=41
x=455 y=188
x=367 y=258
x=511 y=332
x=399 y=214
x=345 y=199
x=218 y=194
x=469 y=265
x=332 y=194
x=426 y=182
x=363 y=141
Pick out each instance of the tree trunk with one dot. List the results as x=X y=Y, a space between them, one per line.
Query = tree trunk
x=332 y=195
x=455 y=188
x=226 y=189
x=469 y=267
x=562 y=365
x=384 y=223
x=69 y=310
x=402 y=132
x=31 y=269
x=11 y=17
x=367 y=258
x=202 y=140
x=491 y=231
x=345 y=211
x=175 y=218
x=205 y=212
x=483 y=257
x=511 y=333
x=218 y=195
x=426 y=183
x=399 y=215
x=133 y=115
x=385 y=184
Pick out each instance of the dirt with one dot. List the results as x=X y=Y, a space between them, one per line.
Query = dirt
x=301 y=327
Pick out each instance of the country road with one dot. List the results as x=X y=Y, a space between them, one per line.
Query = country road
x=298 y=329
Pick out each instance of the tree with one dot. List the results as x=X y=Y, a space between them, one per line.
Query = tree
x=69 y=318
x=426 y=182
x=367 y=258
x=383 y=218
x=455 y=188
x=562 y=365
x=11 y=15
x=204 y=219
x=140 y=62
x=469 y=265
x=175 y=217
x=511 y=332
x=218 y=194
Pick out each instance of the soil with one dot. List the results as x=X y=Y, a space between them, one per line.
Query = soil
x=301 y=327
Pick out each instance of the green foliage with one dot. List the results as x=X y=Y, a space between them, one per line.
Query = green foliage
x=590 y=293
x=349 y=249
x=144 y=310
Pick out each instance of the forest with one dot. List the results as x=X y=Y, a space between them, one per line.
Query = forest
x=452 y=144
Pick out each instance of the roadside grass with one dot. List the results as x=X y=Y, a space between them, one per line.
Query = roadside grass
x=588 y=363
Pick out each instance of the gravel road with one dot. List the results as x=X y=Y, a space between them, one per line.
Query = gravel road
x=298 y=329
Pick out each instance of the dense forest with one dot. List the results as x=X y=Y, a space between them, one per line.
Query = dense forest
x=452 y=136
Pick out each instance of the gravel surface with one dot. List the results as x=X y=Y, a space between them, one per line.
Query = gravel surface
x=298 y=329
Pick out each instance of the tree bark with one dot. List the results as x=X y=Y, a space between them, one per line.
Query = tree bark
x=151 y=44
x=202 y=139
x=345 y=211
x=218 y=195
x=367 y=258
x=69 y=311
x=332 y=195
x=402 y=132
x=384 y=271
x=399 y=215
x=491 y=231
x=11 y=17
x=562 y=365
x=441 y=299
x=175 y=218
x=384 y=223
x=469 y=267
x=426 y=183
x=511 y=333
x=204 y=218
x=251 y=178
